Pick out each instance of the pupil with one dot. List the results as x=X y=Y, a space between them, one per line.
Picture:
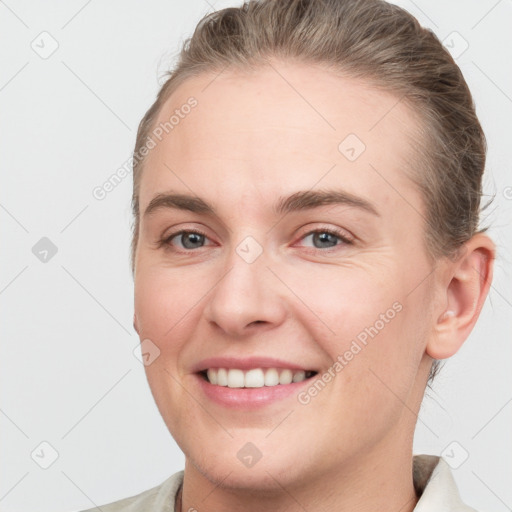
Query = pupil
x=189 y=239
x=325 y=238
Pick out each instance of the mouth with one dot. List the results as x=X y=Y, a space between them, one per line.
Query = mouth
x=254 y=377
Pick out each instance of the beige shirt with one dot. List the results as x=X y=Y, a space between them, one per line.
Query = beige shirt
x=432 y=479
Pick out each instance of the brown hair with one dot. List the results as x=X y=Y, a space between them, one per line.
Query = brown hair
x=365 y=39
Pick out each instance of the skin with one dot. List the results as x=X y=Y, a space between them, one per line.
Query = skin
x=251 y=139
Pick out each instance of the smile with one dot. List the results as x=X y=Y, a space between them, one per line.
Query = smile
x=251 y=389
x=255 y=377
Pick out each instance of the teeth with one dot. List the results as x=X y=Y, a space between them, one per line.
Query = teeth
x=285 y=377
x=271 y=377
x=212 y=376
x=299 y=376
x=254 y=378
x=235 y=378
x=222 y=377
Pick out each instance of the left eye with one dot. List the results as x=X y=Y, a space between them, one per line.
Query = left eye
x=325 y=239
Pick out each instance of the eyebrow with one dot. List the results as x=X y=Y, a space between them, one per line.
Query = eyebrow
x=298 y=201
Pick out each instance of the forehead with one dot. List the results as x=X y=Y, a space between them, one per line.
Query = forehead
x=278 y=127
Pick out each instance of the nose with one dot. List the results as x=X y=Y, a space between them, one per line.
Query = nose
x=247 y=296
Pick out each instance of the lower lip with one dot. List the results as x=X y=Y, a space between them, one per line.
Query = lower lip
x=249 y=398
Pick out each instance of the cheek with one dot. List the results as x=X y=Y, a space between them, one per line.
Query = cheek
x=166 y=310
x=166 y=307
x=165 y=303
x=384 y=372
x=368 y=321
x=346 y=299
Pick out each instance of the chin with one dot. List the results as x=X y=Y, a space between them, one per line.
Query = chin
x=264 y=477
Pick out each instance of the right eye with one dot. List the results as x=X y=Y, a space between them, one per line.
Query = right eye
x=187 y=239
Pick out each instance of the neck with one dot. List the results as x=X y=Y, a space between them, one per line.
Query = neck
x=380 y=481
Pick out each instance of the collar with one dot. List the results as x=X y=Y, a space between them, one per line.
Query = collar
x=434 y=483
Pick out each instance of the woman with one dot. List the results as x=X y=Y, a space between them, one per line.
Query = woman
x=306 y=249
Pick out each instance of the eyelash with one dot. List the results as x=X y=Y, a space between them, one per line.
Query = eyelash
x=165 y=241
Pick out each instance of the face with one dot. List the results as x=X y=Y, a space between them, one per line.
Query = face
x=300 y=248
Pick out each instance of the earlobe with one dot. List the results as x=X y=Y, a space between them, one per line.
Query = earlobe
x=466 y=287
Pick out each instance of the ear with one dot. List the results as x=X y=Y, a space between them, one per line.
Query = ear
x=135 y=323
x=466 y=285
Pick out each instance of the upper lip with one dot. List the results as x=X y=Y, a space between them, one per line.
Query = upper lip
x=246 y=363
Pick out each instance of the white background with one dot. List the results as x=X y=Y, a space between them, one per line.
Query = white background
x=68 y=373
